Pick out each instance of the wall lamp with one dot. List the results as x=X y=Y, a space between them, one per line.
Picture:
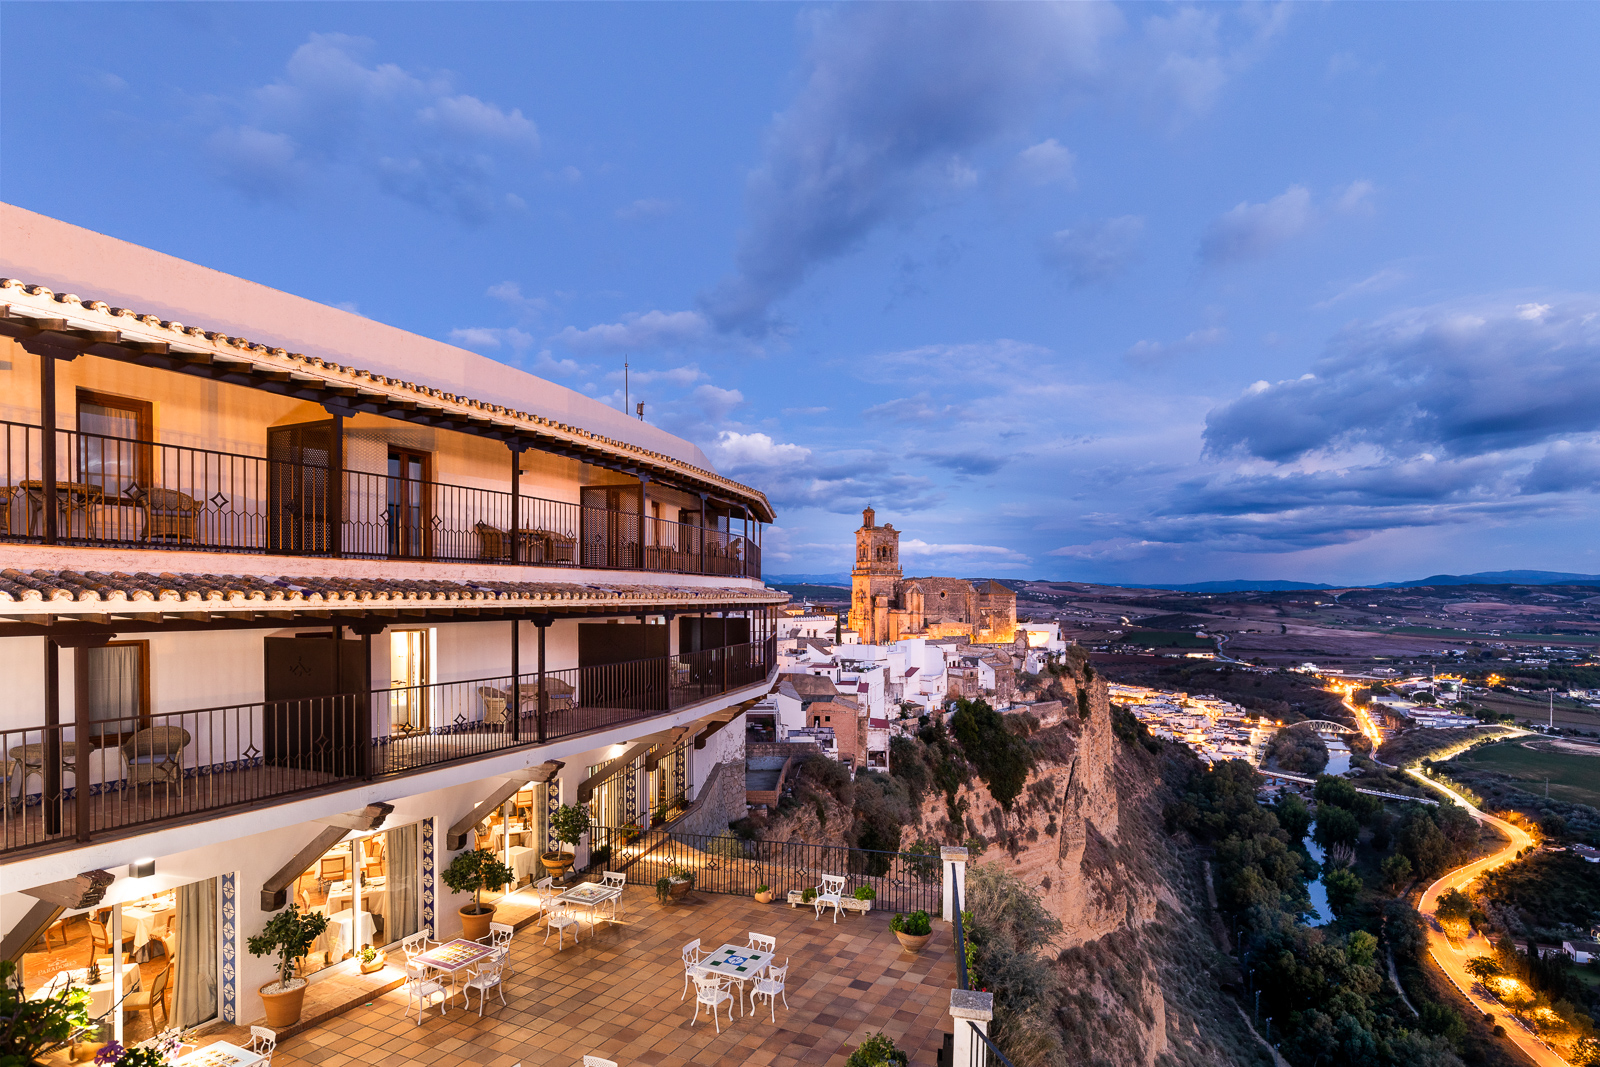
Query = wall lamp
x=141 y=868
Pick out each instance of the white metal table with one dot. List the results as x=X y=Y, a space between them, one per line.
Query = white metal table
x=220 y=1054
x=739 y=963
x=591 y=895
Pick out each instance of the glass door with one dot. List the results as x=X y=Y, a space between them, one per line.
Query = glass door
x=407 y=503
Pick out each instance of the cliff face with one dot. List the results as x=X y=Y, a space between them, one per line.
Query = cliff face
x=1140 y=976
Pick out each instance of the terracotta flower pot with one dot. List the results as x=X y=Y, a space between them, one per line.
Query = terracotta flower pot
x=374 y=967
x=913 y=942
x=764 y=898
x=475 y=924
x=676 y=890
x=556 y=863
x=283 y=1007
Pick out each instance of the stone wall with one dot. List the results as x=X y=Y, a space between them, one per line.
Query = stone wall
x=721 y=801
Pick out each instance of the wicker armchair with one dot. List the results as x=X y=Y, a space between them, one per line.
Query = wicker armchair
x=155 y=754
x=492 y=542
x=169 y=514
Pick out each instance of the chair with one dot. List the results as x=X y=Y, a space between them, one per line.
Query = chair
x=691 y=965
x=831 y=891
x=762 y=943
x=486 y=978
x=57 y=928
x=494 y=704
x=150 y=1001
x=500 y=934
x=545 y=888
x=560 y=919
x=771 y=987
x=596 y=1061
x=263 y=1042
x=618 y=881
x=169 y=947
x=331 y=869
x=169 y=514
x=421 y=985
x=710 y=992
x=100 y=939
x=155 y=754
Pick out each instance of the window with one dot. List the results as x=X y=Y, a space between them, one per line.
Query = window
x=114 y=435
x=119 y=690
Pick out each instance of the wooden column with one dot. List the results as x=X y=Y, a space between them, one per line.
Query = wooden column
x=51 y=771
x=515 y=526
x=705 y=521
x=80 y=735
x=47 y=444
x=542 y=701
x=515 y=705
x=336 y=486
x=363 y=713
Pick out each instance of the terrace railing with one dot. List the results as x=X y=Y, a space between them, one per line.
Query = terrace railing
x=901 y=881
x=72 y=781
x=115 y=491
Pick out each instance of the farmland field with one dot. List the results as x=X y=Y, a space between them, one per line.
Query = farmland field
x=1573 y=777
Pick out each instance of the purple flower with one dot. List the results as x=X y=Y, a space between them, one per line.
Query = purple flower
x=110 y=1054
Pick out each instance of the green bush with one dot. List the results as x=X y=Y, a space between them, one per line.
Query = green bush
x=1001 y=758
x=569 y=824
x=475 y=870
x=866 y=892
x=290 y=934
x=914 y=925
x=28 y=1027
x=877 y=1051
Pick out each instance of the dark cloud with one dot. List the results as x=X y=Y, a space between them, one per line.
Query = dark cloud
x=1455 y=380
x=1095 y=252
x=1567 y=466
x=963 y=462
x=413 y=136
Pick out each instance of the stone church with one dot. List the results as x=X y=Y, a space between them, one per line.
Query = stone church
x=885 y=607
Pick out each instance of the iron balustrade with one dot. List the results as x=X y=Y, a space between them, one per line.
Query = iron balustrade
x=961 y=936
x=116 y=491
x=143 y=770
x=985 y=1053
x=902 y=881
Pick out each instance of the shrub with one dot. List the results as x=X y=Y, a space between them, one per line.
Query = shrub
x=290 y=934
x=866 y=892
x=877 y=1051
x=28 y=1027
x=1001 y=758
x=807 y=895
x=473 y=871
x=1344 y=889
x=569 y=824
x=914 y=925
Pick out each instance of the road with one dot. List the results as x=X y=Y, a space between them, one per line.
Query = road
x=1452 y=960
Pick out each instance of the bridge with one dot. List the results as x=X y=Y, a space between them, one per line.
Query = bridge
x=1323 y=727
x=1283 y=776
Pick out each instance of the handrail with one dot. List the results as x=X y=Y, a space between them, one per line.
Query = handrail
x=961 y=939
x=994 y=1050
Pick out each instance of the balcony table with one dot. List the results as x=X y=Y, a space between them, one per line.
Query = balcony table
x=70 y=496
x=32 y=756
x=220 y=1054
x=740 y=963
x=454 y=957
x=590 y=895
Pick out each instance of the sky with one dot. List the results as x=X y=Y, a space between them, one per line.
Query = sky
x=1160 y=293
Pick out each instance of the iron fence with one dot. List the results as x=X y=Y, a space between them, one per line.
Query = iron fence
x=144 y=769
x=117 y=491
x=900 y=881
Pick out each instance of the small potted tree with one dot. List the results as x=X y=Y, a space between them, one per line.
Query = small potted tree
x=288 y=935
x=473 y=871
x=912 y=931
x=568 y=825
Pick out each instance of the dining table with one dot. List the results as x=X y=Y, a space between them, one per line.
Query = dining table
x=336 y=939
x=590 y=895
x=524 y=861
x=146 y=918
x=453 y=958
x=219 y=1054
x=738 y=963
x=99 y=992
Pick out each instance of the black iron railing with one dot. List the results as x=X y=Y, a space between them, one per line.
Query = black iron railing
x=900 y=881
x=984 y=1051
x=115 y=491
x=146 y=769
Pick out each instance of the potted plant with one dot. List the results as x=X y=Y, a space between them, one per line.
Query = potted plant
x=473 y=871
x=371 y=959
x=568 y=824
x=912 y=931
x=679 y=881
x=808 y=894
x=763 y=894
x=288 y=935
x=630 y=833
x=32 y=1026
x=866 y=895
x=877 y=1051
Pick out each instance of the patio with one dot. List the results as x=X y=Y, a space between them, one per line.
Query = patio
x=616 y=995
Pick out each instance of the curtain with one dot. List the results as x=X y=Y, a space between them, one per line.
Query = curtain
x=195 y=996
x=114 y=688
x=400 y=850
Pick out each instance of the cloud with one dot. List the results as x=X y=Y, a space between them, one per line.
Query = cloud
x=332 y=116
x=1145 y=351
x=1567 y=466
x=915 y=547
x=969 y=462
x=1250 y=231
x=1462 y=380
x=1095 y=252
x=1355 y=198
x=919 y=408
x=477 y=337
x=744 y=452
x=528 y=308
x=646 y=209
x=715 y=402
x=681 y=376
x=902 y=105
x=1378 y=282
x=640 y=330
x=806 y=411
x=1045 y=163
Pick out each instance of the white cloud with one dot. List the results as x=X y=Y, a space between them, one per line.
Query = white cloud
x=1201 y=338
x=640 y=330
x=647 y=208
x=1045 y=163
x=715 y=402
x=686 y=375
x=1095 y=252
x=1250 y=231
x=734 y=451
x=1355 y=198
x=510 y=294
x=916 y=547
x=1378 y=282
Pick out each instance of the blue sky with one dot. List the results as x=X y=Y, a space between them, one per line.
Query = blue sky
x=1158 y=292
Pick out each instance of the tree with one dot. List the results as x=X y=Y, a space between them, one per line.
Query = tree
x=1001 y=758
x=1336 y=826
x=290 y=934
x=1334 y=790
x=1396 y=872
x=1483 y=968
x=1362 y=948
x=28 y=1027
x=475 y=870
x=1453 y=907
x=1344 y=889
x=1293 y=816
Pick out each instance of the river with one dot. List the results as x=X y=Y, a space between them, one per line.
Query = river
x=1319 y=893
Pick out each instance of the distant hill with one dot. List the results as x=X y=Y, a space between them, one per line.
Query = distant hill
x=809 y=579
x=1237 y=585
x=1498 y=578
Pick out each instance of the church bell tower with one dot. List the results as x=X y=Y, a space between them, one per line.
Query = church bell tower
x=872 y=581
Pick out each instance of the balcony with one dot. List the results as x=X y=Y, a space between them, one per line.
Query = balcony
x=94 y=490
x=171 y=767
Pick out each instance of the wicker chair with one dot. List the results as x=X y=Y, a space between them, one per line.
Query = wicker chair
x=492 y=542
x=169 y=515
x=155 y=754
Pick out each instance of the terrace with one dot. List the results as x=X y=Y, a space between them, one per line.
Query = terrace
x=612 y=995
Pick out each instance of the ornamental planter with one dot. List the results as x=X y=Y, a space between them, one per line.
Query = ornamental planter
x=913 y=942
x=556 y=863
x=764 y=898
x=796 y=900
x=475 y=924
x=374 y=967
x=284 y=1004
x=677 y=890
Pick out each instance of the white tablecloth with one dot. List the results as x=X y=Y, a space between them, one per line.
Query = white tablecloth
x=337 y=938
x=524 y=861
x=147 y=921
x=374 y=898
x=100 y=992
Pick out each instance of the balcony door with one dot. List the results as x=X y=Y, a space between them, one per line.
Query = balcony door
x=309 y=720
x=407 y=504
x=623 y=666
x=299 y=484
x=613 y=525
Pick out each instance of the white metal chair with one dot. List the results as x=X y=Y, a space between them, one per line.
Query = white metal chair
x=487 y=978
x=691 y=965
x=500 y=934
x=263 y=1042
x=618 y=881
x=420 y=986
x=771 y=987
x=594 y=1061
x=831 y=891
x=545 y=889
x=416 y=943
x=710 y=992
x=762 y=942
x=559 y=920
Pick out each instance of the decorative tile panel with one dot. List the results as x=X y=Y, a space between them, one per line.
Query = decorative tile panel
x=230 y=947
x=427 y=877
x=552 y=802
